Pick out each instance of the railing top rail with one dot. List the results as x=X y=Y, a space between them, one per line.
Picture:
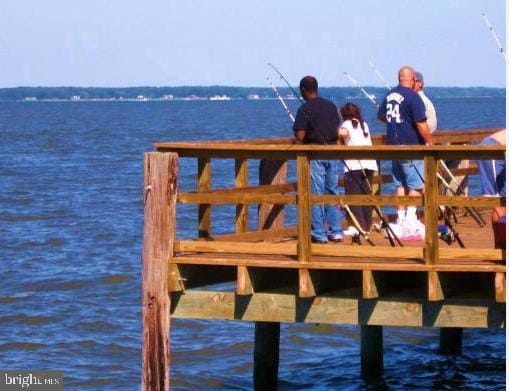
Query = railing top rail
x=285 y=144
x=291 y=151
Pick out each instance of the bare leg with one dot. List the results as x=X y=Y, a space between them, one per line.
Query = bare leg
x=400 y=191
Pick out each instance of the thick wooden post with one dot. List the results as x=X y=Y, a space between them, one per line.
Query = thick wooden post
x=267 y=334
x=306 y=287
x=244 y=283
x=160 y=194
x=451 y=339
x=303 y=208
x=435 y=292
x=372 y=354
x=431 y=209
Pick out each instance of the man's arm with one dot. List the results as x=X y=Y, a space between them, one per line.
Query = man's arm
x=382 y=118
x=422 y=128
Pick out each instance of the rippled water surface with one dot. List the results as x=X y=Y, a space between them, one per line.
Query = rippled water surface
x=70 y=245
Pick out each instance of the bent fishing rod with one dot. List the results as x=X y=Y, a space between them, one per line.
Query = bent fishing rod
x=390 y=233
x=281 y=76
x=370 y=97
x=476 y=215
x=495 y=37
x=385 y=223
x=292 y=118
x=379 y=75
x=344 y=206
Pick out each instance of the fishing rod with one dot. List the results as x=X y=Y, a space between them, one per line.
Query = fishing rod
x=475 y=215
x=391 y=235
x=370 y=97
x=384 y=220
x=385 y=224
x=451 y=226
x=461 y=190
x=379 y=75
x=355 y=222
x=495 y=37
x=444 y=209
x=344 y=206
x=286 y=81
x=292 y=118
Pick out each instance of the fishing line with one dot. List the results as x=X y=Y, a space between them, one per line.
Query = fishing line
x=346 y=207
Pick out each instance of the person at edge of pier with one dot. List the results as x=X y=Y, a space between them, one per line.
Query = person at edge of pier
x=493 y=173
x=317 y=122
x=358 y=173
x=429 y=108
x=404 y=114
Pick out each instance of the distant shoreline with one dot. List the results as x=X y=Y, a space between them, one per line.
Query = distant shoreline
x=213 y=93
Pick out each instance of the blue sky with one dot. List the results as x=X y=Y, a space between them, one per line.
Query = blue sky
x=222 y=42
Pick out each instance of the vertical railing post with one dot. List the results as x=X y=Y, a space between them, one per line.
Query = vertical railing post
x=431 y=209
x=303 y=209
x=160 y=195
x=244 y=283
x=306 y=287
x=241 y=180
x=204 y=210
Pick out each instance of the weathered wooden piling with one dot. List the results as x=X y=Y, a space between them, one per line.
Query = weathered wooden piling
x=160 y=196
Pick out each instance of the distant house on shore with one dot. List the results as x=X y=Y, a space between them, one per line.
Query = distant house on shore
x=220 y=97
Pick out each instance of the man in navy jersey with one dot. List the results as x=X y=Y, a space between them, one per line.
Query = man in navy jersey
x=404 y=113
x=317 y=122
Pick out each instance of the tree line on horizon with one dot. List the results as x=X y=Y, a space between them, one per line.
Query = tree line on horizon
x=41 y=93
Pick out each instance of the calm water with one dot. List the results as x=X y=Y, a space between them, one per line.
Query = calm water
x=70 y=246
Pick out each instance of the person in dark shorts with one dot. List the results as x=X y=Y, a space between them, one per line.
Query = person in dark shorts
x=317 y=122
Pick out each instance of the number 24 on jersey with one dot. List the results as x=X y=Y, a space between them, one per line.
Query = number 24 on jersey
x=393 y=113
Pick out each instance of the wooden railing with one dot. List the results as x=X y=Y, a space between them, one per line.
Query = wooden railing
x=263 y=248
x=263 y=261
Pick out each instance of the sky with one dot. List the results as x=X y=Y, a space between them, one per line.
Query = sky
x=122 y=43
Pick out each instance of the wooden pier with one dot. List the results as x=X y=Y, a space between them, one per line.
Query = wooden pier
x=275 y=274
